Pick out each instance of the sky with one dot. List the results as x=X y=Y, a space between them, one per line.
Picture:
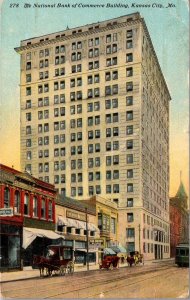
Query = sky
x=169 y=31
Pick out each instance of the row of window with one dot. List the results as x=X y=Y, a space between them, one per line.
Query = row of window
x=91 y=93
x=78 y=45
x=92 y=79
x=92 y=162
x=93 y=106
x=77 y=56
x=42 y=208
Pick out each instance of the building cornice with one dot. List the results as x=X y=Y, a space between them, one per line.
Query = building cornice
x=76 y=35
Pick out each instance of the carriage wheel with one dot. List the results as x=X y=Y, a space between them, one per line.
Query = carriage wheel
x=62 y=270
x=70 y=267
x=111 y=266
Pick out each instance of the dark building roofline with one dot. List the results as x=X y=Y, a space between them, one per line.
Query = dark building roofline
x=75 y=204
x=28 y=178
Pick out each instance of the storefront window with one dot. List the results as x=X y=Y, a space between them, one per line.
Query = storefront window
x=7 y=197
x=17 y=203
x=10 y=246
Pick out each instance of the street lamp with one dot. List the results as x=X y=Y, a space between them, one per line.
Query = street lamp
x=139 y=239
x=87 y=249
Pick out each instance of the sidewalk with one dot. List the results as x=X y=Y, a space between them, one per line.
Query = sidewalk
x=28 y=272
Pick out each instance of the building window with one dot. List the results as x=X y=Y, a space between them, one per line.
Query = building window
x=129 y=57
x=17 y=203
x=43 y=208
x=130 y=173
x=129 y=158
x=50 y=210
x=129 y=72
x=129 y=100
x=129 y=86
x=129 y=33
x=108 y=189
x=113 y=225
x=130 y=187
x=26 y=204
x=130 y=217
x=6 y=197
x=116 y=188
x=91 y=190
x=35 y=206
x=129 y=115
x=129 y=129
x=129 y=202
x=130 y=232
x=129 y=144
x=129 y=44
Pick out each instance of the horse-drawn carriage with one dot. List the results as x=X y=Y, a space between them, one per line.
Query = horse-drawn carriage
x=58 y=261
x=135 y=258
x=109 y=262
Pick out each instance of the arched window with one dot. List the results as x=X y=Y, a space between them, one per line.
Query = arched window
x=17 y=202
x=50 y=210
x=26 y=204
x=7 y=197
x=35 y=206
x=43 y=209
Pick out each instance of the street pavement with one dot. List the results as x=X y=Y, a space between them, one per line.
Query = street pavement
x=28 y=272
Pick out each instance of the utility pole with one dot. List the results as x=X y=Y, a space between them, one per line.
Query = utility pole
x=139 y=239
x=87 y=249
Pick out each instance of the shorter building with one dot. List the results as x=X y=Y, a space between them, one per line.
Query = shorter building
x=27 y=210
x=73 y=220
x=179 y=219
x=107 y=222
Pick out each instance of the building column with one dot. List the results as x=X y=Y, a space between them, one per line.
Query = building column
x=2 y=189
x=31 y=205
x=12 y=194
x=22 y=202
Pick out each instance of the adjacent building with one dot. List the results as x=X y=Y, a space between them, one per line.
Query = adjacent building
x=179 y=219
x=95 y=121
x=27 y=209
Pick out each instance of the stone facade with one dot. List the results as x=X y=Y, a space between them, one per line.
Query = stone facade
x=95 y=120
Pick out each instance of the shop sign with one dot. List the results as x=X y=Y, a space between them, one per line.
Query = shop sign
x=6 y=212
x=75 y=215
x=92 y=241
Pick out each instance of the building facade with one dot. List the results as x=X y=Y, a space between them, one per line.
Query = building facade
x=179 y=219
x=73 y=219
x=25 y=203
x=95 y=120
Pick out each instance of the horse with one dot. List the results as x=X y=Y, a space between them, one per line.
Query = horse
x=130 y=260
x=39 y=262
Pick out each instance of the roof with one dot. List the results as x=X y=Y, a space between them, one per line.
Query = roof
x=181 y=193
x=75 y=204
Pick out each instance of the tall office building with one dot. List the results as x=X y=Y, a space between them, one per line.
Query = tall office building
x=95 y=120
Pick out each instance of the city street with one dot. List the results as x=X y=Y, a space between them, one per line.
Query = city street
x=163 y=280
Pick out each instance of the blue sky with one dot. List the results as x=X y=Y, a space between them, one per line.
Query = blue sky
x=169 y=31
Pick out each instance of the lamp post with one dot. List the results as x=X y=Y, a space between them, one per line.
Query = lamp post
x=87 y=249
x=139 y=238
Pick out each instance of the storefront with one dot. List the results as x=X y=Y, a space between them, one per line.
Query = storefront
x=73 y=221
x=10 y=244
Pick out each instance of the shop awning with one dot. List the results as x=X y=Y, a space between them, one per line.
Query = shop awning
x=89 y=250
x=76 y=223
x=29 y=235
x=108 y=251
x=62 y=221
x=93 y=227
